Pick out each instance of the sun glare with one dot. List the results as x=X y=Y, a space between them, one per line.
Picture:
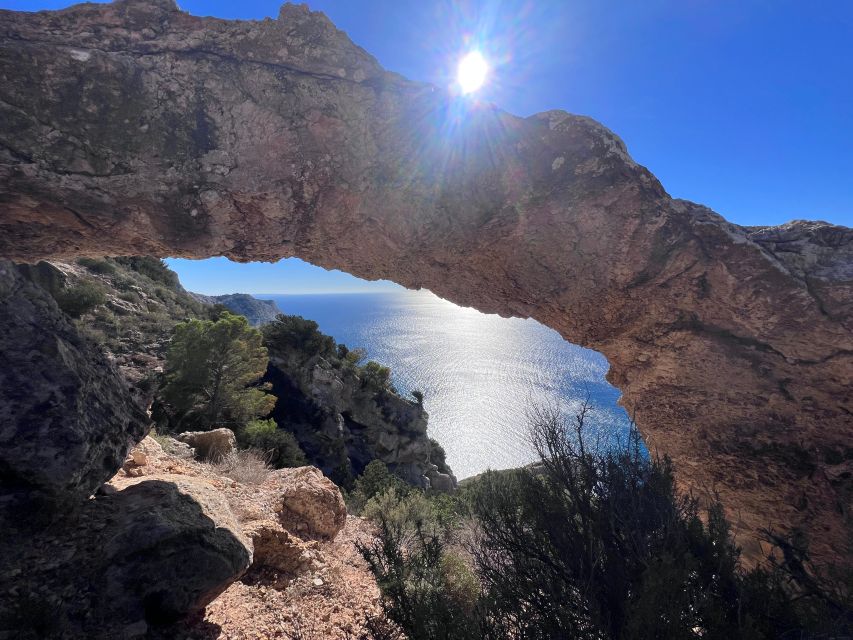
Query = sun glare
x=472 y=71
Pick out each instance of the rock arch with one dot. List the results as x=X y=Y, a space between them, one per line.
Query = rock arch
x=134 y=128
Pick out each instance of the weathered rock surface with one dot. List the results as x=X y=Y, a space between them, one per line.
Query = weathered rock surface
x=331 y=412
x=307 y=502
x=66 y=418
x=276 y=548
x=148 y=555
x=210 y=445
x=134 y=127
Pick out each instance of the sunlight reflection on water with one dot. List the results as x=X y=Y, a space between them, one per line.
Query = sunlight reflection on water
x=478 y=372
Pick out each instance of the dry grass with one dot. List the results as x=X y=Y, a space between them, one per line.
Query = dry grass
x=248 y=466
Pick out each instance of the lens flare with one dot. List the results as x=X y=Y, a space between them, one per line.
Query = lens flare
x=472 y=72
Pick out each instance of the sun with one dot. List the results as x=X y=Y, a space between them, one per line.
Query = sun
x=472 y=71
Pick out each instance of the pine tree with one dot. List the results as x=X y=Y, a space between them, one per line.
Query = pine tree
x=210 y=367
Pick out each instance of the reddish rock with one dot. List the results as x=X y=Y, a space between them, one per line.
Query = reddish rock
x=135 y=128
x=307 y=502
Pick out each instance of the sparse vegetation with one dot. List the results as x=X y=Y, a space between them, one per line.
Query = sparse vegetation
x=590 y=544
x=103 y=267
x=248 y=466
x=375 y=377
x=81 y=298
x=153 y=268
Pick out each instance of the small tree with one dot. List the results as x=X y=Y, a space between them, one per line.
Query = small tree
x=375 y=377
x=354 y=357
x=294 y=333
x=210 y=367
x=418 y=396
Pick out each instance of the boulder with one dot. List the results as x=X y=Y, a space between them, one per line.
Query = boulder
x=441 y=481
x=277 y=548
x=307 y=502
x=173 y=547
x=67 y=419
x=145 y=556
x=138 y=457
x=210 y=445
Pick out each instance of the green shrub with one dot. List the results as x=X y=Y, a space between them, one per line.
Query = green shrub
x=375 y=377
x=79 y=299
x=152 y=268
x=102 y=267
x=591 y=544
x=427 y=589
x=406 y=511
x=280 y=447
x=354 y=357
x=376 y=479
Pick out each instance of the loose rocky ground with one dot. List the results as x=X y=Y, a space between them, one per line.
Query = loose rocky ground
x=323 y=589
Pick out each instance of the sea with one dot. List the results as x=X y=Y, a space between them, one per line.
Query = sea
x=480 y=374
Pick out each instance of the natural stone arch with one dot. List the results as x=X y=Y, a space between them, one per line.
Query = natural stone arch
x=134 y=128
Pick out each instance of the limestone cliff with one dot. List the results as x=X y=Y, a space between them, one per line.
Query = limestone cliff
x=136 y=128
x=344 y=423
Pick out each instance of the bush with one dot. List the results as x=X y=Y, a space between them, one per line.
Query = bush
x=294 y=333
x=354 y=357
x=102 y=267
x=427 y=589
x=376 y=479
x=152 y=268
x=375 y=377
x=281 y=448
x=419 y=397
x=406 y=511
x=591 y=544
x=248 y=466
x=80 y=299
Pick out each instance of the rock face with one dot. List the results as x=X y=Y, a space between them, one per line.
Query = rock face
x=66 y=418
x=336 y=418
x=144 y=556
x=135 y=128
x=210 y=445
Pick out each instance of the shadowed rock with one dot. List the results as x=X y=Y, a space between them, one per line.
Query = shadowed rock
x=66 y=418
x=135 y=128
x=143 y=557
x=210 y=445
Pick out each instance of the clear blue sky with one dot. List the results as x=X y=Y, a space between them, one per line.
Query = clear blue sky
x=743 y=105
